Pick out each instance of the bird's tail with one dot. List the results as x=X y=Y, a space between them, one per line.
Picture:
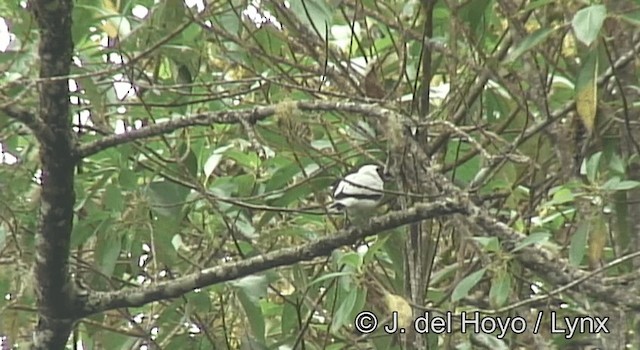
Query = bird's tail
x=333 y=209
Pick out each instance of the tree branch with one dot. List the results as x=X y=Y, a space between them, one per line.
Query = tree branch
x=546 y=264
x=27 y=118
x=132 y=297
x=250 y=115
x=259 y=113
x=53 y=289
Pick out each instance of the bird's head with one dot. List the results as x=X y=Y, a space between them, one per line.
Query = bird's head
x=375 y=170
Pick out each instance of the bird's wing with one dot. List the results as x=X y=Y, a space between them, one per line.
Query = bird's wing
x=360 y=187
x=338 y=187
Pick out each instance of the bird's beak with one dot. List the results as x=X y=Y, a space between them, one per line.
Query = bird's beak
x=386 y=176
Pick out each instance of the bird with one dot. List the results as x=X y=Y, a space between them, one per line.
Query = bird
x=361 y=190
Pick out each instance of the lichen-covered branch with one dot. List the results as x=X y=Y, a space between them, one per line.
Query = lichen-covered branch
x=546 y=264
x=27 y=118
x=132 y=297
x=250 y=115
x=53 y=288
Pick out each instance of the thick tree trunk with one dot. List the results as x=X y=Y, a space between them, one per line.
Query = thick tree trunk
x=54 y=290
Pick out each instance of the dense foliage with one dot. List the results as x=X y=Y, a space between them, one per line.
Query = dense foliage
x=198 y=142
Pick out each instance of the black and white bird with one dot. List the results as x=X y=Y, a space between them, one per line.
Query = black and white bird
x=360 y=191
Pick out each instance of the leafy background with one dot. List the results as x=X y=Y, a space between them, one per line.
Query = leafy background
x=513 y=101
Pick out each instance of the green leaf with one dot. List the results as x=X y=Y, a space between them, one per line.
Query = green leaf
x=223 y=186
x=84 y=229
x=127 y=179
x=117 y=26
x=171 y=313
x=632 y=19
x=330 y=276
x=246 y=184
x=627 y=185
x=463 y=288
x=443 y=273
x=352 y=259
x=590 y=167
x=177 y=243
x=616 y=164
x=199 y=301
x=360 y=303
x=254 y=315
x=107 y=253
x=474 y=12
x=614 y=184
x=611 y=184
x=315 y=14
x=116 y=341
x=468 y=171
x=286 y=173
x=214 y=160
x=170 y=13
x=491 y=244
x=254 y=286
x=247 y=160
x=290 y=319
x=297 y=193
x=374 y=249
x=229 y=21
x=500 y=288
x=578 y=245
x=529 y=42
x=244 y=226
x=342 y=315
x=93 y=189
x=113 y=198
x=394 y=247
x=587 y=23
x=537 y=237
x=164 y=230
x=167 y=198
x=563 y=195
x=190 y=160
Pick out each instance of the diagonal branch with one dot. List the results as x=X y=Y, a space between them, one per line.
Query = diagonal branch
x=132 y=297
x=27 y=118
x=544 y=263
x=250 y=115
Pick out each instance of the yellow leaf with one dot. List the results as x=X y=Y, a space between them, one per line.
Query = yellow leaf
x=109 y=7
x=587 y=91
x=110 y=29
x=397 y=303
x=597 y=242
x=115 y=24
